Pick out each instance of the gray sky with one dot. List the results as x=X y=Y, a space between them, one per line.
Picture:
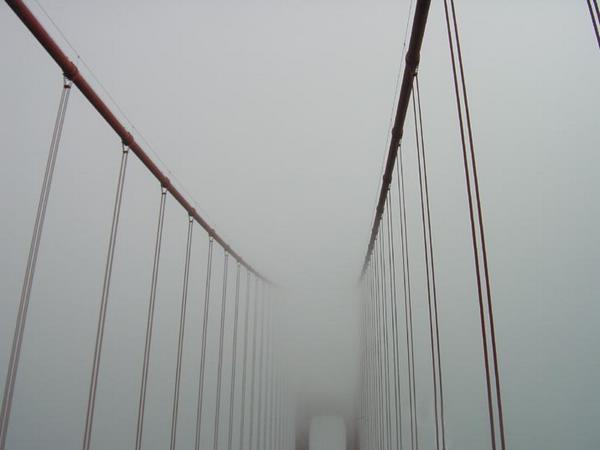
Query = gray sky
x=274 y=116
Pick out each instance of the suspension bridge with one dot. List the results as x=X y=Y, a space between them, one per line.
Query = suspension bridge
x=241 y=396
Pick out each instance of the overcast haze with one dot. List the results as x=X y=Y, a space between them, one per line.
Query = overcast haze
x=274 y=117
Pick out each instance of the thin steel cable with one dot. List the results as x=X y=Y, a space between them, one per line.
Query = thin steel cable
x=257 y=308
x=386 y=397
x=382 y=325
x=379 y=351
x=363 y=355
x=150 y=320
x=473 y=234
x=267 y=357
x=234 y=357
x=271 y=391
x=595 y=19
x=406 y=297
x=410 y=354
x=394 y=313
x=367 y=410
x=384 y=319
x=244 y=362
x=262 y=356
x=481 y=232
x=283 y=414
x=367 y=373
x=369 y=355
x=368 y=378
x=256 y=341
x=392 y=300
x=432 y=264
x=220 y=361
x=203 y=350
x=472 y=205
x=381 y=415
x=279 y=415
x=89 y=418
x=272 y=417
x=267 y=391
x=15 y=353
x=379 y=344
x=186 y=278
x=361 y=368
x=427 y=272
x=373 y=358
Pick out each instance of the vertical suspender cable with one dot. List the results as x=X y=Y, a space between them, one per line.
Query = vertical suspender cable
x=432 y=264
x=186 y=278
x=384 y=321
x=385 y=381
x=220 y=363
x=473 y=237
x=266 y=383
x=362 y=399
x=366 y=377
x=244 y=362
x=394 y=313
x=476 y=222
x=89 y=418
x=279 y=414
x=282 y=413
x=427 y=271
x=410 y=353
x=378 y=342
x=234 y=357
x=15 y=352
x=270 y=391
x=595 y=15
x=257 y=309
x=271 y=428
x=262 y=387
x=370 y=377
x=150 y=320
x=373 y=357
x=365 y=382
x=261 y=357
x=284 y=417
x=203 y=350
x=375 y=344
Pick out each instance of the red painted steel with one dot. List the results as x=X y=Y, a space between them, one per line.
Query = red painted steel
x=410 y=69
x=71 y=72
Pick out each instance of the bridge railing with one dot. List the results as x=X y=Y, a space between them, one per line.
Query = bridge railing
x=253 y=406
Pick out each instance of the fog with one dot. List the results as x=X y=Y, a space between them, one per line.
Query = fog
x=274 y=117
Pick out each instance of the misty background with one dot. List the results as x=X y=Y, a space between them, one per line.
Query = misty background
x=274 y=118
